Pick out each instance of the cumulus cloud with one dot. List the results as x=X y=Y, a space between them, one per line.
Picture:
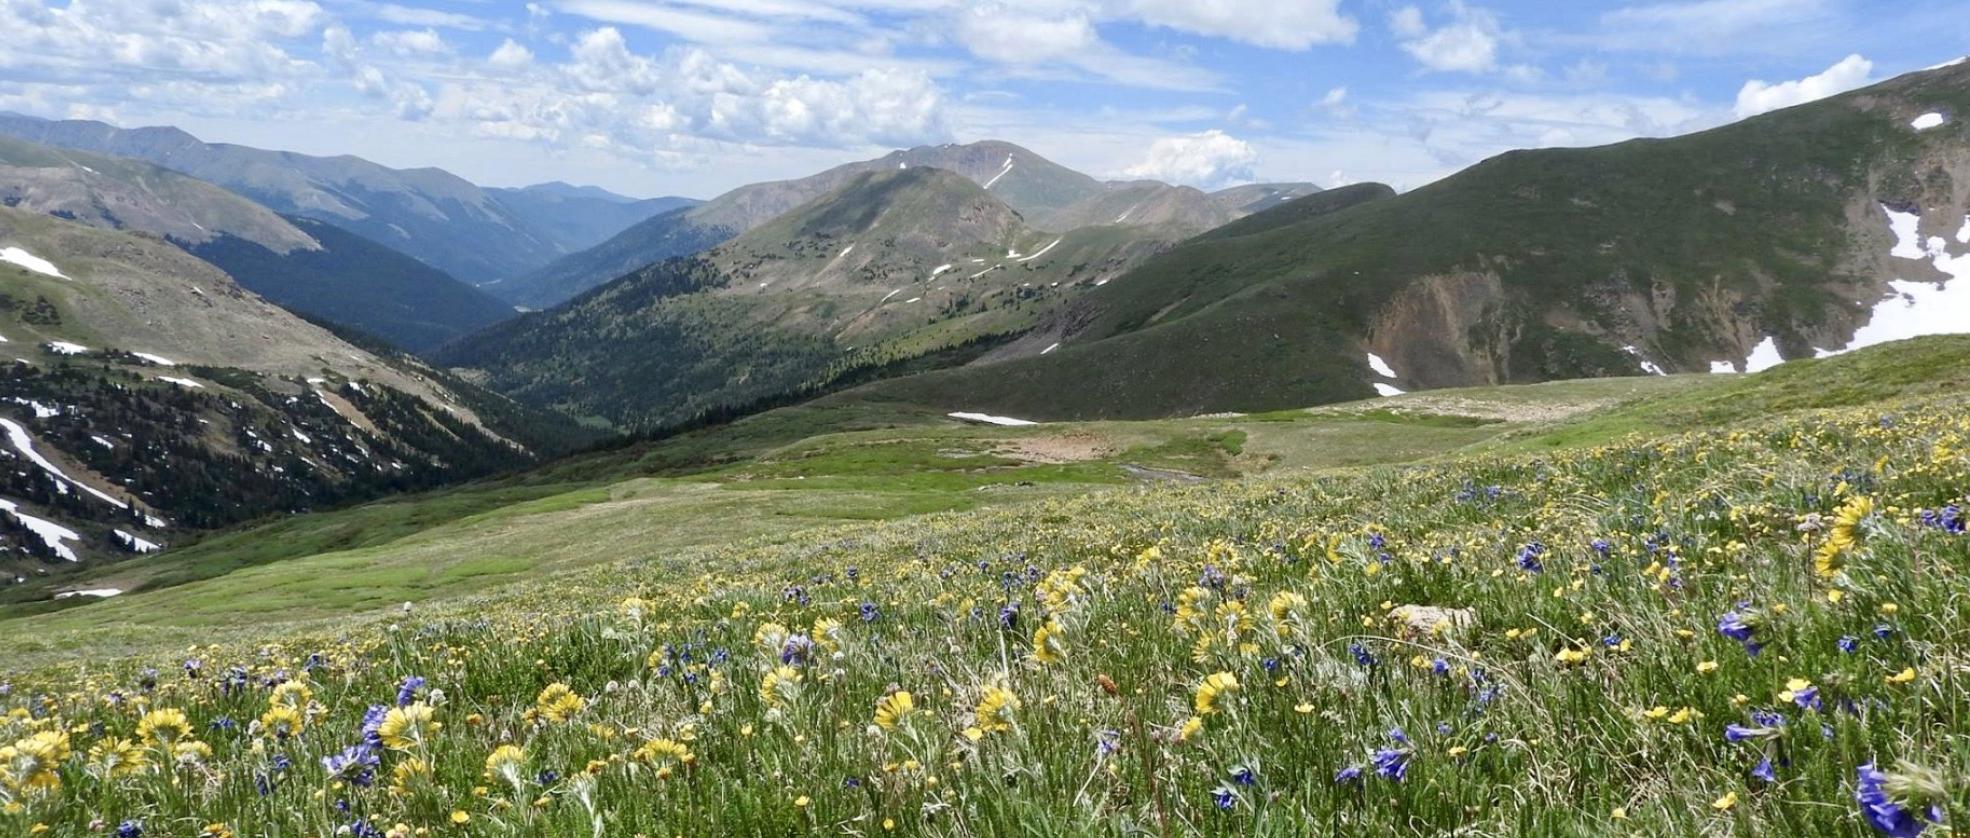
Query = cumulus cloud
x=1468 y=43
x=606 y=95
x=1205 y=160
x=1757 y=96
x=510 y=56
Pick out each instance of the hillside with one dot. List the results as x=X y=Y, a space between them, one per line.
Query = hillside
x=1046 y=194
x=899 y=269
x=1183 y=646
x=307 y=266
x=430 y=214
x=1800 y=232
x=152 y=398
x=352 y=281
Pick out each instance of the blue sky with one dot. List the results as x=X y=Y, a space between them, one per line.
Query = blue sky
x=693 y=97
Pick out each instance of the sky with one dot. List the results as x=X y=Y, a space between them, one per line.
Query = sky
x=693 y=97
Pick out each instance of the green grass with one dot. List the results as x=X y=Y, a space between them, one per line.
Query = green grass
x=1589 y=691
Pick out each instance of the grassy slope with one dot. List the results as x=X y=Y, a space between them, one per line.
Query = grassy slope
x=1272 y=311
x=784 y=472
x=1509 y=738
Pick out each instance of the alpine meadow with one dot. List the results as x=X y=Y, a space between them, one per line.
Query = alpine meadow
x=1051 y=417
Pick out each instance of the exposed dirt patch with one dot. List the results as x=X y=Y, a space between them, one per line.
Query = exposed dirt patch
x=1054 y=449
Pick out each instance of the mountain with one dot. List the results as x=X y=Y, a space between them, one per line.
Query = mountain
x=579 y=217
x=352 y=281
x=1802 y=232
x=308 y=266
x=150 y=394
x=430 y=214
x=1048 y=195
x=899 y=268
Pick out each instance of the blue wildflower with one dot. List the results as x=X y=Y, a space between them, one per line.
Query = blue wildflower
x=130 y=829
x=1224 y=797
x=1361 y=654
x=1350 y=775
x=1763 y=771
x=1244 y=776
x=407 y=691
x=1883 y=811
x=1529 y=557
x=870 y=613
x=1848 y=644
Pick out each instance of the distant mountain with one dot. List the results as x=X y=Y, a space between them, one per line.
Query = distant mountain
x=1048 y=195
x=430 y=214
x=118 y=193
x=309 y=266
x=151 y=395
x=898 y=268
x=1803 y=232
x=580 y=217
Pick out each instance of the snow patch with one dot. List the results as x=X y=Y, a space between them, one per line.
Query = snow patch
x=1386 y=389
x=989 y=419
x=1764 y=356
x=1648 y=366
x=62 y=347
x=52 y=533
x=1002 y=172
x=1049 y=349
x=1928 y=121
x=845 y=251
x=940 y=269
x=135 y=544
x=156 y=359
x=30 y=261
x=1913 y=309
x=41 y=411
x=1126 y=213
x=1908 y=237
x=99 y=593
x=25 y=445
x=1042 y=252
x=1380 y=366
x=182 y=382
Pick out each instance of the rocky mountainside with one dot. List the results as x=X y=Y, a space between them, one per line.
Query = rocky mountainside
x=475 y=235
x=898 y=269
x=148 y=397
x=1802 y=232
x=1047 y=195
x=321 y=271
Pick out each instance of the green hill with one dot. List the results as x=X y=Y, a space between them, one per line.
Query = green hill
x=1764 y=239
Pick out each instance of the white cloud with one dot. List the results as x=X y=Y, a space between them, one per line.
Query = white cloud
x=411 y=43
x=1758 y=97
x=1005 y=34
x=1467 y=44
x=510 y=56
x=1206 y=160
x=1292 y=24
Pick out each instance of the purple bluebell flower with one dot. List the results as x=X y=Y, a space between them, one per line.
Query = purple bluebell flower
x=407 y=691
x=1883 y=811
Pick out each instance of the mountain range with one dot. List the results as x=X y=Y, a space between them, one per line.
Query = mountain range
x=476 y=235
x=1046 y=194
